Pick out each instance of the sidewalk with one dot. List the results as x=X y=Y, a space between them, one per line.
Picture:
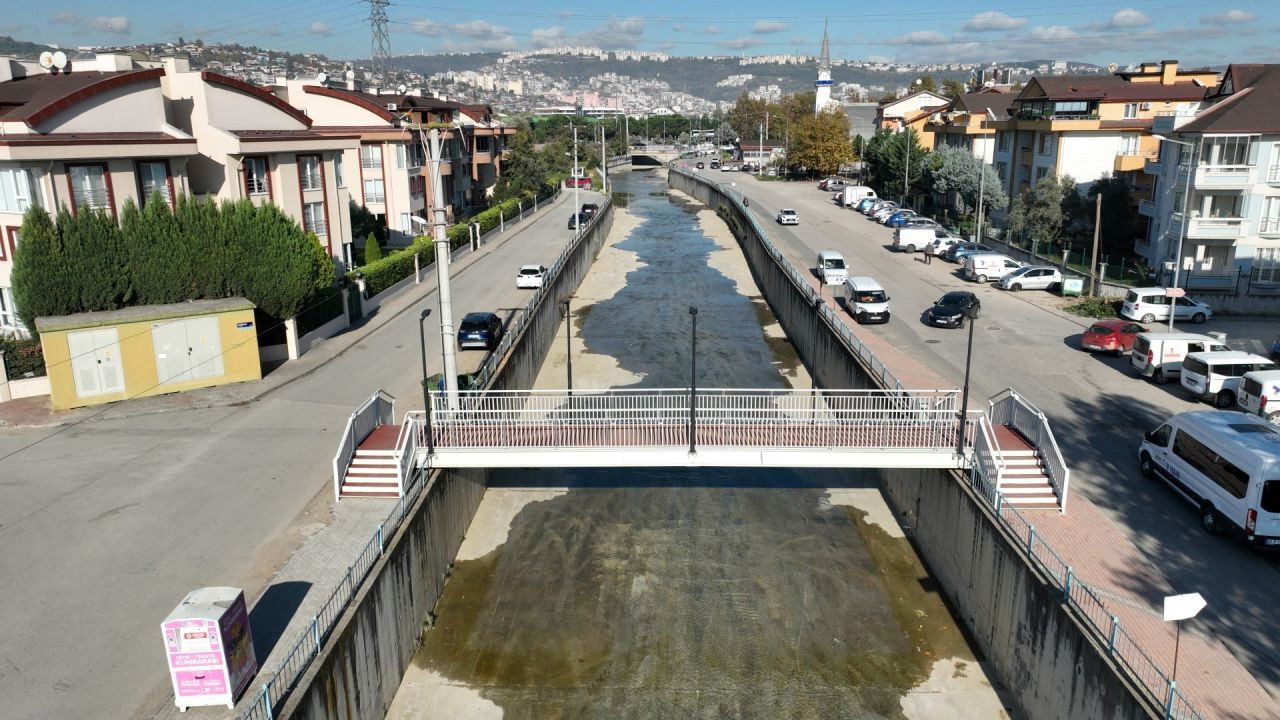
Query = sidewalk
x=36 y=412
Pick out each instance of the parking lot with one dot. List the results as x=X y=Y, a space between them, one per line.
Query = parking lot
x=1096 y=406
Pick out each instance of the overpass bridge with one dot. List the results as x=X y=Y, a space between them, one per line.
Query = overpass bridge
x=683 y=427
x=653 y=156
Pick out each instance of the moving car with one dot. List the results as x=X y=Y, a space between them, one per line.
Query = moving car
x=1225 y=464
x=831 y=268
x=1031 y=277
x=787 y=216
x=1158 y=355
x=1151 y=304
x=589 y=209
x=479 y=329
x=530 y=276
x=715 y=164
x=865 y=300
x=1113 y=336
x=1259 y=394
x=579 y=217
x=952 y=309
x=699 y=166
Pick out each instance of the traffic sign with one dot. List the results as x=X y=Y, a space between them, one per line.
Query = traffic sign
x=1174 y=292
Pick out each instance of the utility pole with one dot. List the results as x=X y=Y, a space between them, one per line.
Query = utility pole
x=906 y=168
x=982 y=176
x=1097 y=229
x=577 y=214
x=441 y=244
x=604 y=163
x=760 y=150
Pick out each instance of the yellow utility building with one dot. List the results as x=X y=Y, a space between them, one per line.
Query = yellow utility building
x=100 y=357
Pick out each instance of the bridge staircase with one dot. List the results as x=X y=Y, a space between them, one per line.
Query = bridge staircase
x=376 y=455
x=1016 y=448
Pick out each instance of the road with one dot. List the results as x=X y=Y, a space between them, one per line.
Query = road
x=106 y=525
x=1097 y=408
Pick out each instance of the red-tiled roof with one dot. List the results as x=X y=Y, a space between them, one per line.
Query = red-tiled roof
x=1253 y=106
x=363 y=100
x=35 y=98
x=101 y=138
x=1110 y=88
x=263 y=95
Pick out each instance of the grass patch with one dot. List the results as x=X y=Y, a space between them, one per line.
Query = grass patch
x=1095 y=307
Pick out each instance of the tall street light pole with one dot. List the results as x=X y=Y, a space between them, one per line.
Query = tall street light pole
x=693 y=379
x=426 y=393
x=568 y=340
x=964 y=395
x=441 y=244
x=577 y=180
x=1182 y=230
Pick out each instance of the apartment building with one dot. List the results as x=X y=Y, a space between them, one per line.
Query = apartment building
x=894 y=114
x=254 y=145
x=473 y=146
x=1226 y=153
x=963 y=122
x=92 y=134
x=1091 y=126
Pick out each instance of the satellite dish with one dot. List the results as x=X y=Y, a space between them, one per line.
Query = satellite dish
x=1112 y=67
x=322 y=78
x=402 y=88
x=60 y=60
x=351 y=74
x=46 y=59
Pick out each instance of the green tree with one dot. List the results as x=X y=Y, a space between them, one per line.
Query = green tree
x=957 y=174
x=952 y=88
x=95 y=259
x=201 y=235
x=820 y=143
x=926 y=83
x=277 y=269
x=746 y=116
x=1120 y=222
x=372 y=251
x=161 y=264
x=1037 y=212
x=891 y=155
x=40 y=287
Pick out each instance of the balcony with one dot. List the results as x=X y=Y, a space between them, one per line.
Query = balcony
x=371 y=163
x=1152 y=166
x=310 y=181
x=1273 y=175
x=1226 y=177
x=1147 y=208
x=314 y=226
x=1211 y=228
x=1269 y=226
x=1168 y=121
x=1132 y=160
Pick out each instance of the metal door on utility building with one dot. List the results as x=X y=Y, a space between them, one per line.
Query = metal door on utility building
x=95 y=362
x=187 y=349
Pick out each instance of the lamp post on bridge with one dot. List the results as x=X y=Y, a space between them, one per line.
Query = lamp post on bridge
x=568 y=341
x=964 y=395
x=693 y=380
x=426 y=393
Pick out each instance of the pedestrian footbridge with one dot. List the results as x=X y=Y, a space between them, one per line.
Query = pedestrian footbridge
x=1009 y=438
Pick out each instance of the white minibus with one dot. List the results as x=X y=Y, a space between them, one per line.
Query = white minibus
x=1216 y=375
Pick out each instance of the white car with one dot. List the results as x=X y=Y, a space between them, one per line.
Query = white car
x=531 y=276
x=787 y=216
x=1031 y=277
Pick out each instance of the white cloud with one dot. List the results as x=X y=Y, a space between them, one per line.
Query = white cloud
x=1052 y=32
x=677 y=27
x=320 y=28
x=65 y=17
x=1230 y=17
x=711 y=30
x=1128 y=18
x=741 y=43
x=993 y=20
x=617 y=34
x=549 y=37
x=764 y=27
x=116 y=24
x=480 y=34
x=919 y=37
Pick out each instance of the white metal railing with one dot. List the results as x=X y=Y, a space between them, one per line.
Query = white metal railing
x=660 y=418
x=379 y=409
x=315 y=226
x=406 y=451
x=97 y=198
x=1273 y=173
x=986 y=451
x=371 y=164
x=1269 y=225
x=310 y=181
x=256 y=185
x=375 y=197
x=1007 y=407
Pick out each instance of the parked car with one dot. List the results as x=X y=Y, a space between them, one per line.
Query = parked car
x=984 y=267
x=582 y=182
x=919 y=221
x=589 y=209
x=900 y=218
x=880 y=206
x=884 y=212
x=1158 y=355
x=1150 y=304
x=865 y=203
x=1113 y=336
x=530 y=276
x=715 y=164
x=579 y=217
x=952 y=309
x=1216 y=376
x=1259 y=394
x=787 y=216
x=699 y=166
x=853 y=194
x=831 y=268
x=726 y=167
x=958 y=252
x=1031 y=277
x=480 y=329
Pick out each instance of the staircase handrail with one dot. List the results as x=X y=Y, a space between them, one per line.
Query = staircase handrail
x=985 y=442
x=379 y=409
x=1007 y=407
x=406 y=451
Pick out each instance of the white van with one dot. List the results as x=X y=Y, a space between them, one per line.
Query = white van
x=984 y=267
x=1151 y=304
x=1226 y=464
x=853 y=194
x=1260 y=390
x=1158 y=355
x=831 y=268
x=865 y=300
x=1216 y=375
x=911 y=239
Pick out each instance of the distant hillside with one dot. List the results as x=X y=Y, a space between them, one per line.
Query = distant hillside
x=20 y=48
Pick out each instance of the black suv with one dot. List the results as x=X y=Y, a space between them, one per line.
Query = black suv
x=581 y=217
x=590 y=208
x=480 y=329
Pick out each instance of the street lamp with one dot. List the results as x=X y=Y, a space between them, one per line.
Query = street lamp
x=693 y=379
x=1182 y=229
x=426 y=394
x=964 y=395
x=568 y=347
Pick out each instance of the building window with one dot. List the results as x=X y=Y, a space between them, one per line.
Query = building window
x=1128 y=144
x=373 y=192
x=153 y=177
x=416 y=157
x=18 y=190
x=89 y=187
x=309 y=172
x=1229 y=151
x=401 y=159
x=313 y=218
x=1266 y=265
x=406 y=225
x=1002 y=169
x=256 y=180
x=1269 y=224
x=1041 y=173
x=1002 y=141
x=8 y=242
x=9 y=321
x=1130 y=111
x=337 y=170
x=370 y=157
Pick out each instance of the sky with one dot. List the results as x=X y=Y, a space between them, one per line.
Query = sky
x=1208 y=32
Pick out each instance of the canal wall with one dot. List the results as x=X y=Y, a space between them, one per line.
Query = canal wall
x=1037 y=647
x=359 y=669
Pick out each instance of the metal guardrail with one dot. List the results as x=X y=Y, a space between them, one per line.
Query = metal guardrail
x=662 y=418
x=305 y=649
x=877 y=368
x=379 y=409
x=1120 y=645
x=1007 y=407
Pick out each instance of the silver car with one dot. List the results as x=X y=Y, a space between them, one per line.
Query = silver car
x=1031 y=277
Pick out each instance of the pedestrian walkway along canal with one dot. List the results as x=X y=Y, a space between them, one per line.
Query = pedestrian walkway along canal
x=686 y=592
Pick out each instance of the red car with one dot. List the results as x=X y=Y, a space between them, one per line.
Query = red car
x=582 y=182
x=1114 y=336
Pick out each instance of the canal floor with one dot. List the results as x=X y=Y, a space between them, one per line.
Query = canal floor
x=673 y=592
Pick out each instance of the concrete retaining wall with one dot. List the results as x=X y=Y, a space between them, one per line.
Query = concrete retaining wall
x=1048 y=663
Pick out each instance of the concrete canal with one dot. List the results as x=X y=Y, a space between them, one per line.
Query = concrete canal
x=671 y=593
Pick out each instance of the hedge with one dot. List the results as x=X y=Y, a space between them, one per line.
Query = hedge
x=23 y=358
x=320 y=308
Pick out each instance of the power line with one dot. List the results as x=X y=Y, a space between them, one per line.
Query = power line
x=381 y=38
